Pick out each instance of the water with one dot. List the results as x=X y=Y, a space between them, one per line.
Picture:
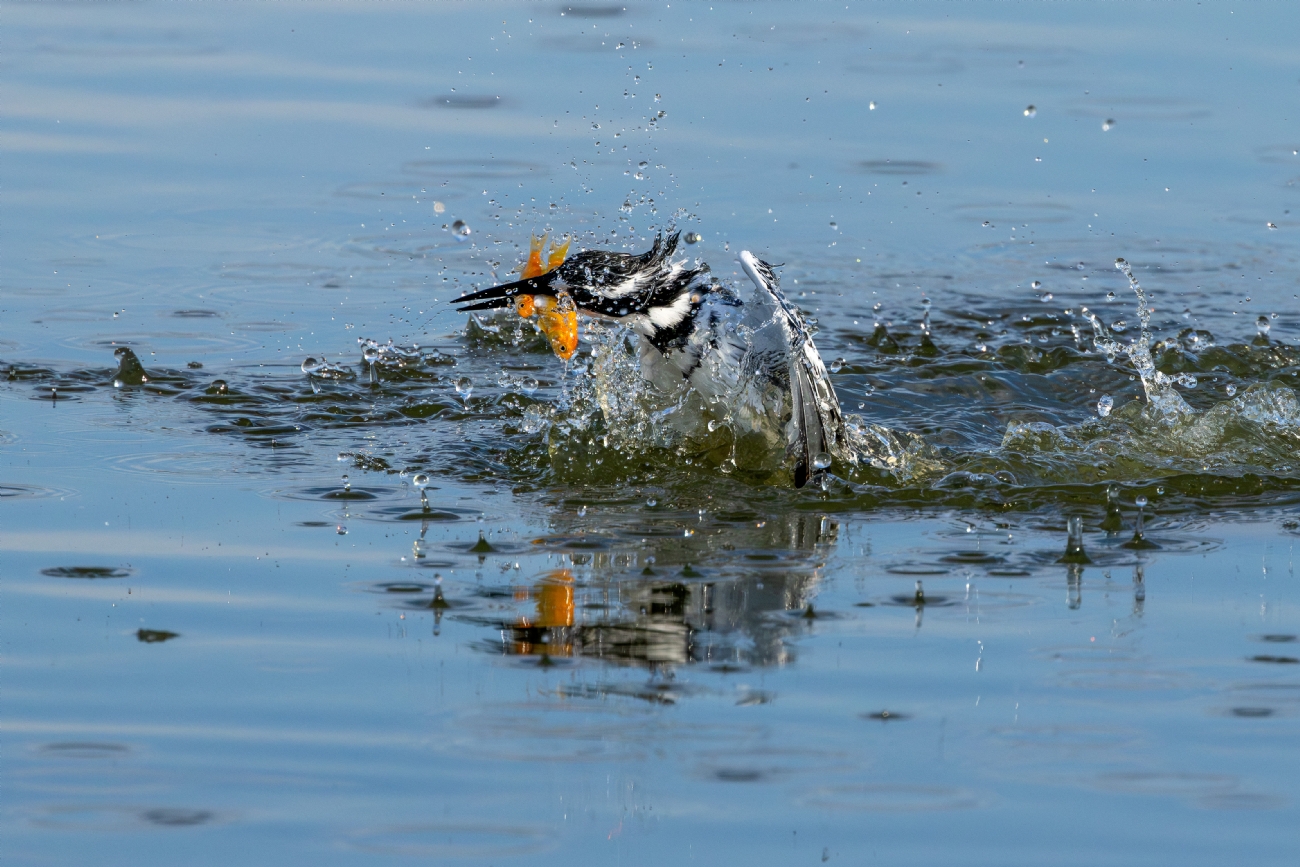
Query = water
x=295 y=560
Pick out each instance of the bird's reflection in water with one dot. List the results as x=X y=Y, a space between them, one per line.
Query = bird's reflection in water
x=728 y=609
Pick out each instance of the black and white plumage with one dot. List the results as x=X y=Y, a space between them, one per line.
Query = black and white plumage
x=753 y=358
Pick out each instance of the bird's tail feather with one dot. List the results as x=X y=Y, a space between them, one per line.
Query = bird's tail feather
x=815 y=414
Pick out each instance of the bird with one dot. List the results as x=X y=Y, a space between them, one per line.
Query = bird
x=753 y=357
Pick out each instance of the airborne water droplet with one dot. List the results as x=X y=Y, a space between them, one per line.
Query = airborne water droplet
x=836 y=366
x=1104 y=405
x=1262 y=324
x=528 y=385
x=1030 y=111
x=821 y=461
x=464 y=387
x=1107 y=124
x=1230 y=389
x=692 y=237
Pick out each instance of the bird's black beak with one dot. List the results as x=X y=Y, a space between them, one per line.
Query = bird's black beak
x=505 y=294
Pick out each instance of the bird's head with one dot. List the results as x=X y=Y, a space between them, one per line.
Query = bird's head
x=646 y=292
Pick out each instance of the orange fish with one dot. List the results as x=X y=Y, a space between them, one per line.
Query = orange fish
x=559 y=316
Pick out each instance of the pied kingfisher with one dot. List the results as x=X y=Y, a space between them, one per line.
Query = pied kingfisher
x=754 y=358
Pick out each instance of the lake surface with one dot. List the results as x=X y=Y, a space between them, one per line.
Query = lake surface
x=234 y=633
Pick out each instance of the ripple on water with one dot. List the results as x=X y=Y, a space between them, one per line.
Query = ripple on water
x=452 y=840
x=210 y=468
x=890 y=798
x=30 y=492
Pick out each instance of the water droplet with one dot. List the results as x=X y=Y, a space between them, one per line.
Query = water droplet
x=220 y=387
x=464 y=387
x=528 y=385
x=692 y=238
x=1047 y=296
x=1271 y=225
x=582 y=511
x=836 y=366
x=341 y=530
x=1037 y=284
x=1262 y=324
x=1104 y=405
x=871 y=106
x=347 y=485
x=460 y=229
x=1030 y=111
x=652 y=502
x=1230 y=389
x=1141 y=501
x=714 y=424
x=309 y=366
x=419 y=480
x=1110 y=297
x=821 y=461
x=1160 y=491
x=1107 y=124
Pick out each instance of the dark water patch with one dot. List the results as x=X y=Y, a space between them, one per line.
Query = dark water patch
x=195 y=314
x=1275 y=660
x=924 y=569
x=85 y=750
x=155 y=636
x=401 y=587
x=177 y=817
x=898 y=167
x=593 y=10
x=1252 y=712
x=1278 y=638
x=87 y=572
x=739 y=775
x=973 y=558
x=431 y=515
x=887 y=716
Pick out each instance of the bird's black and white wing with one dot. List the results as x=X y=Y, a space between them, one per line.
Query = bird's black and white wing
x=816 y=426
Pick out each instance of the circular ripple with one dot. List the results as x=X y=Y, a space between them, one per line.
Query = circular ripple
x=29 y=492
x=203 y=467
